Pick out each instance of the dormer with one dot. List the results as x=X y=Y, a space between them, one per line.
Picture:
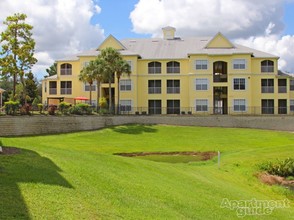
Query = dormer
x=168 y=33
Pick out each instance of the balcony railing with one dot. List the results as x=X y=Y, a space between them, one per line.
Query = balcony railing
x=282 y=89
x=267 y=69
x=267 y=89
x=65 y=91
x=173 y=69
x=154 y=90
x=65 y=71
x=153 y=70
x=52 y=91
x=173 y=90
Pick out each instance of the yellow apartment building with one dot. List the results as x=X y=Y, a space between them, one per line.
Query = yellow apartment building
x=175 y=75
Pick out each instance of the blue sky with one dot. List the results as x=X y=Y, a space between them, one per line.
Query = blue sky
x=289 y=18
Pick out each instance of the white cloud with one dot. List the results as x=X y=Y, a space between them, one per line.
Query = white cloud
x=274 y=44
x=259 y=22
x=61 y=27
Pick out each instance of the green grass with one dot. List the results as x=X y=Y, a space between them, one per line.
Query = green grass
x=76 y=176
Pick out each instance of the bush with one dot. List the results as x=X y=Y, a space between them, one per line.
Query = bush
x=284 y=168
x=81 y=109
x=102 y=102
x=64 y=107
x=52 y=109
x=25 y=109
x=11 y=107
x=40 y=107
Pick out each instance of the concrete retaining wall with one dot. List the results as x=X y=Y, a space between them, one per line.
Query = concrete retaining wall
x=35 y=125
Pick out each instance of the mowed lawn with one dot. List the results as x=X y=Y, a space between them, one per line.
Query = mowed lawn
x=76 y=176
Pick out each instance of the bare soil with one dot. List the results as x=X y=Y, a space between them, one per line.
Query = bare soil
x=9 y=151
x=204 y=155
x=275 y=180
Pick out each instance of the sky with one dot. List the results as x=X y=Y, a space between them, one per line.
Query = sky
x=65 y=27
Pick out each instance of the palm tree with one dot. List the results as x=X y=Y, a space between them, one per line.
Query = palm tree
x=121 y=67
x=110 y=57
x=98 y=75
x=87 y=75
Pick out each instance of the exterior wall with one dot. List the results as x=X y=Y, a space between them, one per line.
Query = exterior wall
x=139 y=95
x=41 y=125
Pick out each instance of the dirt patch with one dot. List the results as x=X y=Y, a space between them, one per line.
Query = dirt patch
x=203 y=155
x=275 y=180
x=9 y=151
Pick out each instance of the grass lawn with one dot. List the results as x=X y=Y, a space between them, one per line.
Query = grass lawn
x=76 y=176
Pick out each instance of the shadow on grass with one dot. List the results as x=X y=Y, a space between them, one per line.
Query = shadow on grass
x=26 y=167
x=134 y=129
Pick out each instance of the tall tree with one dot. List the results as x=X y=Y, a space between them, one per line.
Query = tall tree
x=52 y=70
x=31 y=87
x=87 y=75
x=111 y=57
x=18 y=46
x=99 y=74
x=121 y=67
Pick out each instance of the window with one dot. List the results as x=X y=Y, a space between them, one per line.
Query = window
x=173 y=67
x=267 y=66
x=125 y=105
x=282 y=85
x=154 y=107
x=239 y=84
x=239 y=64
x=173 y=86
x=201 y=105
x=292 y=105
x=267 y=106
x=173 y=107
x=201 y=84
x=66 y=69
x=154 y=86
x=292 y=85
x=239 y=105
x=87 y=87
x=52 y=88
x=220 y=71
x=65 y=87
x=282 y=106
x=154 y=67
x=125 y=85
x=267 y=86
x=86 y=63
x=201 y=65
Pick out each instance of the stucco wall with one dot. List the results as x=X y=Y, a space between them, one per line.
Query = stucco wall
x=25 y=125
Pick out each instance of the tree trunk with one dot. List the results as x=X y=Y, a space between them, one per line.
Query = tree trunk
x=90 y=94
x=118 y=94
x=98 y=95
x=110 y=98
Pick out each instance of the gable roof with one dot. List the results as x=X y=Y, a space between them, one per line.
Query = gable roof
x=111 y=41
x=219 y=41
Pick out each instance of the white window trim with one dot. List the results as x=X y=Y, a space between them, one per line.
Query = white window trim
x=235 y=60
x=233 y=105
x=126 y=90
x=195 y=63
x=201 y=100
x=239 y=90
x=195 y=85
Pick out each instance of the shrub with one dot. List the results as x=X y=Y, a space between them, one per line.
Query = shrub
x=102 y=102
x=81 y=109
x=25 y=109
x=284 y=168
x=11 y=107
x=64 y=107
x=40 y=107
x=52 y=109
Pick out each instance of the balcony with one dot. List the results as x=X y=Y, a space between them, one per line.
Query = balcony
x=154 y=70
x=267 y=89
x=173 y=90
x=173 y=70
x=65 y=91
x=154 y=90
x=52 y=91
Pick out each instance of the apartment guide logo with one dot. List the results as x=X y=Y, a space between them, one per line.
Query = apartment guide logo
x=254 y=207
